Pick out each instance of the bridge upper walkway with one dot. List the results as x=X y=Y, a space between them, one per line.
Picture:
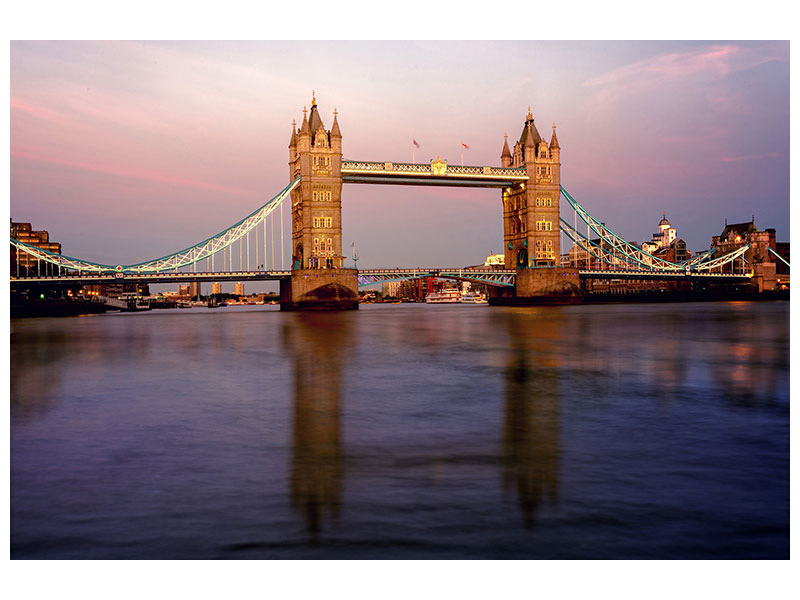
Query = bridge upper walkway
x=435 y=173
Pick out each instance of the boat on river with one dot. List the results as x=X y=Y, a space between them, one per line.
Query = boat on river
x=473 y=298
x=445 y=296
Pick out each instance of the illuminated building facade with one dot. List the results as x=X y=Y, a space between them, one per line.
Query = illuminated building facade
x=665 y=235
x=736 y=235
x=22 y=263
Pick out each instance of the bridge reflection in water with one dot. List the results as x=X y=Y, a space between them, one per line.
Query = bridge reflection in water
x=317 y=344
x=321 y=349
x=532 y=411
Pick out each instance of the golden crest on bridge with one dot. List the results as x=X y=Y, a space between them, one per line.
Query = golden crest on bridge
x=439 y=166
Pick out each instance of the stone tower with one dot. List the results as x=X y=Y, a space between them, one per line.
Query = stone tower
x=316 y=155
x=530 y=210
x=318 y=280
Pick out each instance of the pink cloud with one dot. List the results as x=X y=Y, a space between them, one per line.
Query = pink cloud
x=120 y=171
x=39 y=112
x=718 y=60
x=710 y=63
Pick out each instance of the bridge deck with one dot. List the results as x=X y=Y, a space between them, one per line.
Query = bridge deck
x=166 y=277
x=663 y=275
x=497 y=277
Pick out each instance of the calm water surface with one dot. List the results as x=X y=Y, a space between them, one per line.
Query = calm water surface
x=403 y=431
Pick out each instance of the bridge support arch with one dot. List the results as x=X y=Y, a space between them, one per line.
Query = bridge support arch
x=320 y=289
x=541 y=285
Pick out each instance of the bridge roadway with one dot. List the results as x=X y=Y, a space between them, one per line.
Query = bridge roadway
x=164 y=277
x=663 y=275
x=495 y=277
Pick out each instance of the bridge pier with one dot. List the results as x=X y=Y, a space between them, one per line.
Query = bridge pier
x=320 y=289
x=540 y=285
x=765 y=276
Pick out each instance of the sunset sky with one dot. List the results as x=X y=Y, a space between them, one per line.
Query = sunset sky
x=126 y=151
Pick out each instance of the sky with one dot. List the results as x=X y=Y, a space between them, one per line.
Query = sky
x=126 y=151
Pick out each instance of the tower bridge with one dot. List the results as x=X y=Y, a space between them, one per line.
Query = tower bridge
x=531 y=193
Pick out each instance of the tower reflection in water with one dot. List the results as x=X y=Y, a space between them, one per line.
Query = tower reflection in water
x=532 y=409
x=318 y=344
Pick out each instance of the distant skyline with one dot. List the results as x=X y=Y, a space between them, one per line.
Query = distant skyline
x=126 y=151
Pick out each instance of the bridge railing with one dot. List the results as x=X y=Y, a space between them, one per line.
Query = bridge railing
x=493 y=277
x=618 y=253
x=400 y=168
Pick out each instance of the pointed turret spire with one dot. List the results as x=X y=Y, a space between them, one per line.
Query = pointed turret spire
x=531 y=140
x=554 y=139
x=314 y=120
x=304 y=128
x=529 y=136
x=505 y=156
x=506 y=151
x=335 y=127
x=293 y=141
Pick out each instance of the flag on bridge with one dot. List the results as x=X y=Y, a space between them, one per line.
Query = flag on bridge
x=465 y=146
x=415 y=143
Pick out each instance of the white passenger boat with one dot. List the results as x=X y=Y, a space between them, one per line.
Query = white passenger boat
x=472 y=298
x=446 y=296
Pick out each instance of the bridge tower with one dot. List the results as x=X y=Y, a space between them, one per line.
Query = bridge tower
x=531 y=239
x=319 y=281
x=530 y=210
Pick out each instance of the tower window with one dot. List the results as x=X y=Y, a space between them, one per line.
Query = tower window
x=321 y=164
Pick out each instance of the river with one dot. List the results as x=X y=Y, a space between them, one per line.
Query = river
x=403 y=431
